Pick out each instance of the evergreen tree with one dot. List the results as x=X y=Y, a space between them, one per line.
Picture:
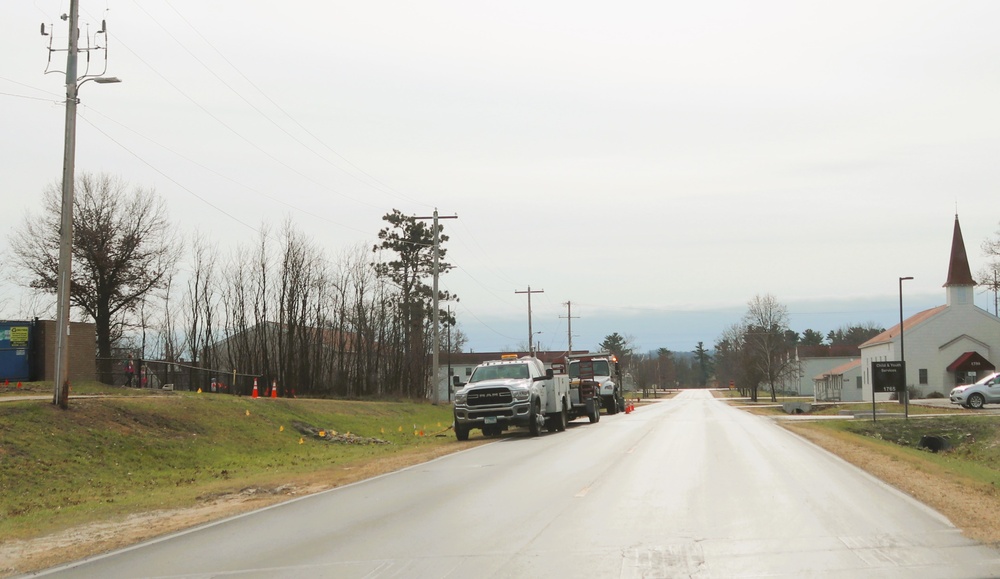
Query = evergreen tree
x=412 y=241
x=705 y=363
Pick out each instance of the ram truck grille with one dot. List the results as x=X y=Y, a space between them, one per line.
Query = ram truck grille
x=489 y=396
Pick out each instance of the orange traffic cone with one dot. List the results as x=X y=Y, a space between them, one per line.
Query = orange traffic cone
x=628 y=408
x=274 y=389
x=254 y=388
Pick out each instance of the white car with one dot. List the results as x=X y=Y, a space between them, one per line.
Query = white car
x=986 y=390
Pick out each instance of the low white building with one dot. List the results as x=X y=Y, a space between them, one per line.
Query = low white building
x=842 y=383
x=943 y=346
x=815 y=360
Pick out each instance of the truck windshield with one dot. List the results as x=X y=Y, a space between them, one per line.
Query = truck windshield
x=500 y=371
x=600 y=368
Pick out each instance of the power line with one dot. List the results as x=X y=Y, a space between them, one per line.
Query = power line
x=387 y=188
x=171 y=179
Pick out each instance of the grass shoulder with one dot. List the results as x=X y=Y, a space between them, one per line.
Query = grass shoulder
x=109 y=458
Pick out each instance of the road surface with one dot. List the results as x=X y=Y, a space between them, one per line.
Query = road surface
x=687 y=487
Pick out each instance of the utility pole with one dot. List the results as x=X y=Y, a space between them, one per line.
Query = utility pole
x=435 y=353
x=61 y=396
x=65 y=269
x=448 y=375
x=569 y=325
x=529 y=291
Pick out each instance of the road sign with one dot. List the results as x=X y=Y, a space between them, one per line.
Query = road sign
x=888 y=377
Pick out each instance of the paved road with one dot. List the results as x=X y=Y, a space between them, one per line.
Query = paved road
x=687 y=487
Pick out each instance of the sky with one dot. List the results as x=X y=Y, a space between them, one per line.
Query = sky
x=656 y=164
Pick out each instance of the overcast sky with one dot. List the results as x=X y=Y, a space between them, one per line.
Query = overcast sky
x=655 y=163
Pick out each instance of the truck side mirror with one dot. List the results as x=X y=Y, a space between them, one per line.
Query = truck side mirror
x=549 y=374
x=455 y=381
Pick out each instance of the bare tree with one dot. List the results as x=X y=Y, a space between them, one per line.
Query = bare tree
x=988 y=278
x=123 y=250
x=732 y=363
x=765 y=344
x=457 y=338
x=199 y=307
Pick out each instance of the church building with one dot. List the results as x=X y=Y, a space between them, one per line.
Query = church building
x=952 y=344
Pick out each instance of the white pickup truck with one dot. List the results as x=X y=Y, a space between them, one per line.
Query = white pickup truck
x=511 y=392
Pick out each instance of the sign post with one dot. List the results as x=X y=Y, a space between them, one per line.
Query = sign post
x=887 y=377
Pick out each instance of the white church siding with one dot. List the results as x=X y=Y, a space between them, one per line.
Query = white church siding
x=927 y=348
x=935 y=343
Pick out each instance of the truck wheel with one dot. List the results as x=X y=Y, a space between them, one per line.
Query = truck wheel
x=461 y=431
x=552 y=422
x=621 y=403
x=556 y=422
x=611 y=405
x=563 y=418
x=534 y=427
x=594 y=410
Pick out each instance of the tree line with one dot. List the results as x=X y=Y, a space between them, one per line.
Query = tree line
x=282 y=308
x=758 y=351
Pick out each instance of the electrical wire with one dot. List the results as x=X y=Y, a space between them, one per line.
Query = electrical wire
x=46 y=91
x=470 y=236
x=227 y=178
x=239 y=94
x=169 y=178
x=385 y=188
x=21 y=96
x=241 y=136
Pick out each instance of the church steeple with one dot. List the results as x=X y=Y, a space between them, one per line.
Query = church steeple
x=960 y=281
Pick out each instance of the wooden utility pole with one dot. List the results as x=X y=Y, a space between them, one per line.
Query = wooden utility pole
x=435 y=352
x=569 y=325
x=529 y=291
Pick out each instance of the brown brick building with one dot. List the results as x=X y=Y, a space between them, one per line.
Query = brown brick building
x=82 y=351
